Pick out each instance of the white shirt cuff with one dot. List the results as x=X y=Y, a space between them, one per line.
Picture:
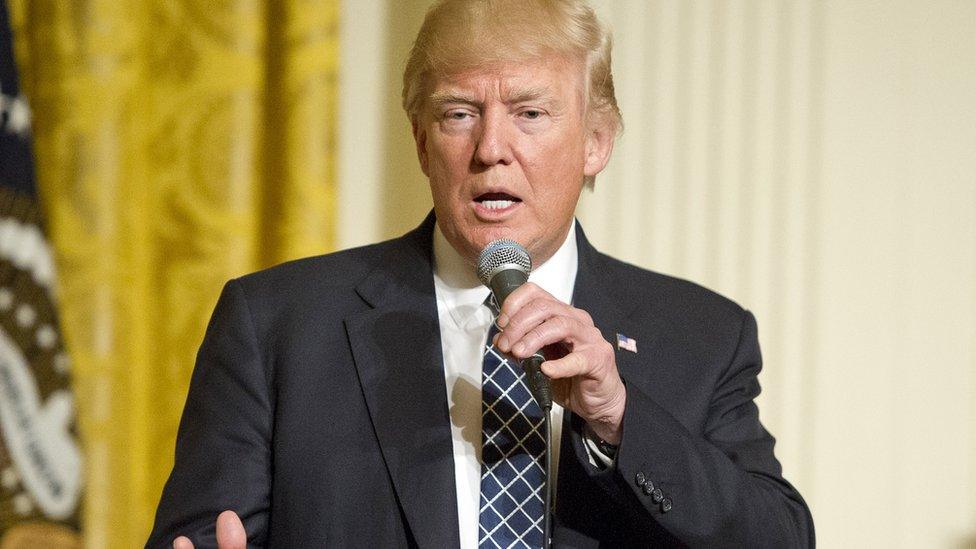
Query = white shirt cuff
x=596 y=457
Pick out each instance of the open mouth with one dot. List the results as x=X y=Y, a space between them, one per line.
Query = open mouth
x=496 y=201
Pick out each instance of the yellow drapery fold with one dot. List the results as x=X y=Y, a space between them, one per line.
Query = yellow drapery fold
x=178 y=144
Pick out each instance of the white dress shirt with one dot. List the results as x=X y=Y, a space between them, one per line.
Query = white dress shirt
x=464 y=324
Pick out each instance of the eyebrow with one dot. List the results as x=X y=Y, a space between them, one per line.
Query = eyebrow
x=518 y=96
x=531 y=94
x=442 y=98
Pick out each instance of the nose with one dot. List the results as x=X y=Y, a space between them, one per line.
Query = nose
x=494 y=144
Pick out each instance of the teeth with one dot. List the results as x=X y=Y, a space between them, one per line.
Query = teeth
x=497 y=204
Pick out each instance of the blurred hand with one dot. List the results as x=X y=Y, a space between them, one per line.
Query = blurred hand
x=230 y=533
x=579 y=361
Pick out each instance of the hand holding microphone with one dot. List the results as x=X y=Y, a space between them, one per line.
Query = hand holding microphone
x=504 y=266
x=580 y=362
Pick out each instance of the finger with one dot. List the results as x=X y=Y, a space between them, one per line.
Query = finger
x=182 y=542
x=571 y=365
x=530 y=315
x=557 y=329
x=593 y=361
x=529 y=292
x=567 y=331
x=525 y=293
x=230 y=531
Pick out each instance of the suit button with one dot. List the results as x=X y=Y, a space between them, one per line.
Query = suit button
x=666 y=505
x=641 y=478
x=657 y=495
x=648 y=487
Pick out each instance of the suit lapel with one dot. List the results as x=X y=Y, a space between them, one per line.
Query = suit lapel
x=397 y=350
x=608 y=301
x=598 y=292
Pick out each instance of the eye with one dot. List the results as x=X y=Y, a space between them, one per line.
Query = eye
x=532 y=114
x=457 y=115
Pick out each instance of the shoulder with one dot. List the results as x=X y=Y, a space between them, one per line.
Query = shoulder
x=685 y=311
x=312 y=287
x=333 y=270
x=680 y=293
x=342 y=270
x=653 y=297
x=676 y=293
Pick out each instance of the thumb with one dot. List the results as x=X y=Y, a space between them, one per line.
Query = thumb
x=230 y=531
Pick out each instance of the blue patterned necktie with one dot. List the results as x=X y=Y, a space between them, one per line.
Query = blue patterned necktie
x=512 y=456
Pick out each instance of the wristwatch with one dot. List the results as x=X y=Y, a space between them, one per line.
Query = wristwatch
x=599 y=445
x=607 y=449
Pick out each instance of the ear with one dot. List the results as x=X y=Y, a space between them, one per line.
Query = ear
x=599 y=145
x=420 y=138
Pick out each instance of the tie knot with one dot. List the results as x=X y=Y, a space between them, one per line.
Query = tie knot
x=493 y=307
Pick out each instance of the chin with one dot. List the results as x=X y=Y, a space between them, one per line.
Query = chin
x=474 y=237
x=495 y=233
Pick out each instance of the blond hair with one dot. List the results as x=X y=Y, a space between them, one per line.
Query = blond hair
x=460 y=35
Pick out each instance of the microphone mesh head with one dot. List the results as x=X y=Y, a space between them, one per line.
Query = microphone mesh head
x=499 y=254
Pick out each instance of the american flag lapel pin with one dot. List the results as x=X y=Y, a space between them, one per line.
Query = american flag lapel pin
x=626 y=343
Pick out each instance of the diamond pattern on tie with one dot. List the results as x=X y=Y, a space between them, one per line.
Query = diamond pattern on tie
x=513 y=450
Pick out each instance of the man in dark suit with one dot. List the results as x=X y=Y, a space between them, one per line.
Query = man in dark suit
x=331 y=403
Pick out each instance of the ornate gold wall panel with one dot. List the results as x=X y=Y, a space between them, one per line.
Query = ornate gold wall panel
x=179 y=144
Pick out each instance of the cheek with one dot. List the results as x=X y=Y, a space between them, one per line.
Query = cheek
x=448 y=160
x=446 y=175
x=562 y=168
x=563 y=150
x=445 y=196
x=563 y=192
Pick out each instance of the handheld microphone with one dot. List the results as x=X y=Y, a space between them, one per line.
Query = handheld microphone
x=503 y=266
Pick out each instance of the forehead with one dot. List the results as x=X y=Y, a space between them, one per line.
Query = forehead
x=556 y=79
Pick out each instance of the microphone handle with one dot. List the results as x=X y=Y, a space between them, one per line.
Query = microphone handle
x=537 y=381
x=505 y=282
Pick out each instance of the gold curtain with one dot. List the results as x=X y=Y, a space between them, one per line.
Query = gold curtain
x=179 y=144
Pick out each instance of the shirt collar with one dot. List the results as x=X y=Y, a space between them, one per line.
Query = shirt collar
x=457 y=284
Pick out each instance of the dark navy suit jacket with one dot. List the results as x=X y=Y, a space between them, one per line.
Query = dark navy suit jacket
x=318 y=412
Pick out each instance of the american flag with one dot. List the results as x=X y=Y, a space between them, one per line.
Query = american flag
x=626 y=343
x=40 y=458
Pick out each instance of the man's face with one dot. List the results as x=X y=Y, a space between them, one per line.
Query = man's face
x=506 y=150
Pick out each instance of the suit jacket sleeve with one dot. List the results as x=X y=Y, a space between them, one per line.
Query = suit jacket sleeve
x=723 y=484
x=223 y=449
